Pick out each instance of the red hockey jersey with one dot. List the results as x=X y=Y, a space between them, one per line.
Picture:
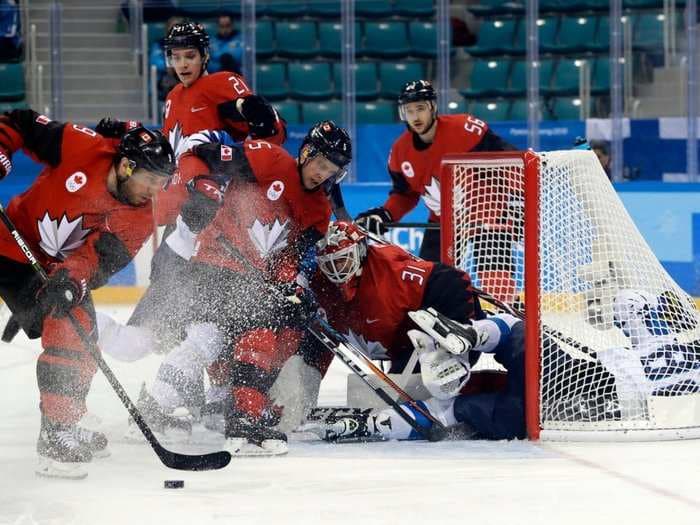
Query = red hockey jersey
x=67 y=216
x=267 y=216
x=208 y=104
x=414 y=166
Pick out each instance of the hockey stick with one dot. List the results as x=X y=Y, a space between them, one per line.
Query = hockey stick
x=435 y=433
x=173 y=460
x=424 y=225
x=339 y=345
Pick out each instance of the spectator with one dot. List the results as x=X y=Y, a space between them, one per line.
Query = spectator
x=602 y=150
x=10 y=31
x=226 y=47
x=167 y=79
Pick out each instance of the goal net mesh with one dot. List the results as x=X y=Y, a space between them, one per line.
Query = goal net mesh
x=619 y=346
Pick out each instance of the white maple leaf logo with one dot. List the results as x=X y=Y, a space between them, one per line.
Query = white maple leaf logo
x=59 y=238
x=178 y=141
x=267 y=238
x=431 y=196
x=372 y=349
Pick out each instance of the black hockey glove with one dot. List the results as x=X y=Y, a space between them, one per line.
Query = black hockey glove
x=5 y=163
x=115 y=129
x=260 y=115
x=301 y=302
x=60 y=294
x=206 y=193
x=373 y=220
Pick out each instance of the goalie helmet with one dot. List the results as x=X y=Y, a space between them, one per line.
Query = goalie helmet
x=340 y=255
x=148 y=150
x=184 y=35
x=333 y=142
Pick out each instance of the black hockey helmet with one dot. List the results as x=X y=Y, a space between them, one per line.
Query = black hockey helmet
x=417 y=90
x=187 y=34
x=329 y=140
x=147 y=149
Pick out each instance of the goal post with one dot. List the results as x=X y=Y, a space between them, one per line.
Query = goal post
x=613 y=344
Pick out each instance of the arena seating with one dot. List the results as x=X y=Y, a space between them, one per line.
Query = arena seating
x=12 y=88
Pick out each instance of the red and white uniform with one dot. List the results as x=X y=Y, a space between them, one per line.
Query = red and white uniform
x=208 y=104
x=414 y=166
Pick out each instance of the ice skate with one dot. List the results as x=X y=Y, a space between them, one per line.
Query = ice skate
x=245 y=438
x=168 y=428
x=96 y=441
x=61 y=453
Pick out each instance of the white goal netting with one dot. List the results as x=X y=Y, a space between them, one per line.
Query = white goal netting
x=619 y=342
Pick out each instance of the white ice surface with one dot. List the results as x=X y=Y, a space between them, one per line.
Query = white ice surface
x=403 y=483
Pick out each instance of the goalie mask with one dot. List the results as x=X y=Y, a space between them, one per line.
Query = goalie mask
x=340 y=255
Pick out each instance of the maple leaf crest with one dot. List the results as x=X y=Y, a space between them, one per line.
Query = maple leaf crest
x=267 y=238
x=372 y=349
x=60 y=238
x=431 y=196
x=178 y=141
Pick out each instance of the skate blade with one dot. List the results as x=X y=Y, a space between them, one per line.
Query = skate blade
x=49 y=468
x=239 y=447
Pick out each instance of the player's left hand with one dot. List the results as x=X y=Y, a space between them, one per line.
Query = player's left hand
x=60 y=294
x=114 y=128
x=301 y=299
x=206 y=195
x=260 y=115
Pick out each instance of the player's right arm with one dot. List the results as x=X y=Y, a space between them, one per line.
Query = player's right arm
x=25 y=129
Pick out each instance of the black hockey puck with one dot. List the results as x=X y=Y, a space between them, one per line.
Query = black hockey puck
x=174 y=484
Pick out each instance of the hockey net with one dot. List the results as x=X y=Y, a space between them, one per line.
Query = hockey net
x=612 y=341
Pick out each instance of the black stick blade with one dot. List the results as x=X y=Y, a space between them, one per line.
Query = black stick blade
x=201 y=462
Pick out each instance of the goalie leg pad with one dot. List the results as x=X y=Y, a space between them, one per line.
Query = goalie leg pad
x=443 y=374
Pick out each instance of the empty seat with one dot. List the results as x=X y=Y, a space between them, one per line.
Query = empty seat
x=296 y=39
x=386 y=39
x=330 y=35
x=373 y=8
x=518 y=77
x=496 y=7
x=325 y=9
x=204 y=8
x=9 y=106
x=494 y=37
x=566 y=108
x=518 y=109
x=264 y=39
x=376 y=112
x=600 y=76
x=648 y=31
x=414 y=7
x=366 y=81
x=285 y=9
x=546 y=35
x=11 y=81
x=423 y=36
x=601 y=42
x=457 y=106
x=288 y=110
x=576 y=33
x=490 y=110
x=566 y=78
x=488 y=78
x=270 y=80
x=313 y=112
x=393 y=76
x=310 y=80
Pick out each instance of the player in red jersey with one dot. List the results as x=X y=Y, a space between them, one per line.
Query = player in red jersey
x=414 y=167
x=267 y=210
x=85 y=217
x=378 y=294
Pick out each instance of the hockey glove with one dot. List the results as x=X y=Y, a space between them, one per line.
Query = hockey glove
x=60 y=294
x=443 y=374
x=5 y=164
x=206 y=195
x=115 y=129
x=260 y=115
x=302 y=301
x=454 y=337
x=373 y=220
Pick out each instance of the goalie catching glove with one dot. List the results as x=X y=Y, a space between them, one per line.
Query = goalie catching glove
x=449 y=335
x=442 y=373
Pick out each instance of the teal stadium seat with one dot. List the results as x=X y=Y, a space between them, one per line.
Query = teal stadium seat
x=285 y=8
x=645 y=4
x=310 y=80
x=330 y=36
x=600 y=76
x=518 y=109
x=490 y=110
x=313 y=112
x=546 y=34
x=9 y=106
x=264 y=39
x=296 y=39
x=423 y=36
x=488 y=78
x=271 y=80
x=518 y=76
x=324 y=9
x=566 y=108
x=566 y=78
x=386 y=40
x=497 y=7
x=648 y=32
x=392 y=77
x=576 y=33
x=457 y=106
x=366 y=81
x=198 y=9
x=288 y=110
x=376 y=112
x=11 y=81
x=155 y=31
x=414 y=8
x=374 y=8
x=495 y=37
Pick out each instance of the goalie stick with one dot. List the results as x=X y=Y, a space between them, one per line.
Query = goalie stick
x=173 y=460
x=337 y=342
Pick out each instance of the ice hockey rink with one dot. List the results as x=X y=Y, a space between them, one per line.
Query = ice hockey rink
x=391 y=482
